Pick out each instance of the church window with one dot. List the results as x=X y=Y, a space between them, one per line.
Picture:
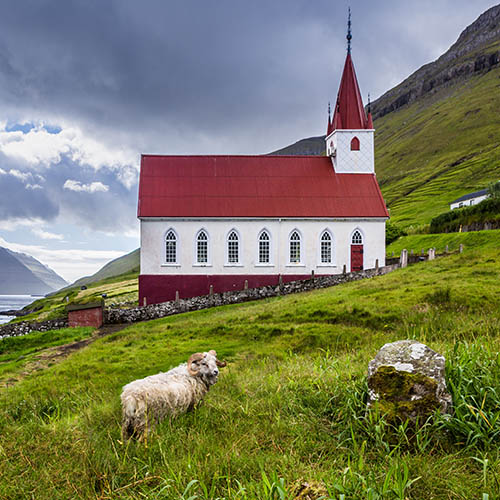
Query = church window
x=355 y=144
x=233 y=248
x=264 y=247
x=326 y=248
x=170 y=247
x=202 y=247
x=357 y=239
x=294 y=247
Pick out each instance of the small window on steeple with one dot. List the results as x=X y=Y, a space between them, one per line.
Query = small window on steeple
x=355 y=144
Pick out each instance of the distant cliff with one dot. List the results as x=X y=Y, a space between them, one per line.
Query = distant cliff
x=476 y=50
x=21 y=274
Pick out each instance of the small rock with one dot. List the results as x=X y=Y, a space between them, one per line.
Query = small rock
x=406 y=380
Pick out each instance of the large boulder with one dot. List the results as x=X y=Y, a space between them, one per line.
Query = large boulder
x=406 y=380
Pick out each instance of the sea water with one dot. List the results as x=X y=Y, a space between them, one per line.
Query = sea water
x=9 y=302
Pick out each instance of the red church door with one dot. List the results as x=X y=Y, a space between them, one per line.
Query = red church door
x=356 y=251
x=356 y=257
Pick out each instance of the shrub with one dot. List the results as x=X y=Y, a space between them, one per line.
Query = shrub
x=393 y=232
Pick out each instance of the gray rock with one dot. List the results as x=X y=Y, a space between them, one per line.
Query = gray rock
x=406 y=380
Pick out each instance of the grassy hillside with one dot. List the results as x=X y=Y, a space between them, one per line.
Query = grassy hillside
x=288 y=409
x=439 y=148
x=123 y=265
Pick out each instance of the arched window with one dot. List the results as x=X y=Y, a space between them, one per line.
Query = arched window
x=355 y=144
x=326 y=248
x=170 y=247
x=357 y=239
x=233 y=248
x=202 y=248
x=264 y=247
x=294 y=247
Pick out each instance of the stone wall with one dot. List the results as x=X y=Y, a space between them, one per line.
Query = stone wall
x=114 y=315
x=24 y=327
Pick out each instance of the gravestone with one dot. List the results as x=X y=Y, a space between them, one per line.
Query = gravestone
x=406 y=380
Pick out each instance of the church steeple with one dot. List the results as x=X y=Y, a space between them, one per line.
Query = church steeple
x=349 y=138
x=349 y=108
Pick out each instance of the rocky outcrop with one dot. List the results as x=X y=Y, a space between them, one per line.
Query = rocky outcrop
x=476 y=50
x=406 y=380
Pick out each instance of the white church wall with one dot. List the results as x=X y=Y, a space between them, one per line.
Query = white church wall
x=153 y=233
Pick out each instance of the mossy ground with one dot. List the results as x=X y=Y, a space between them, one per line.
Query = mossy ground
x=289 y=408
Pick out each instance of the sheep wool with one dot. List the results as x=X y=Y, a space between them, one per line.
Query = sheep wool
x=148 y=401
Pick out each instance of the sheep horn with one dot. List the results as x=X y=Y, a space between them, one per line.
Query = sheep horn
x=217 y=362
x=194 y=357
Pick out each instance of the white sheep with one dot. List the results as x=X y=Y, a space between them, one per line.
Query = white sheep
x=152 y=399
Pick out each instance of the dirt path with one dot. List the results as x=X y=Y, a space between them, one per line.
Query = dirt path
x=56 y=354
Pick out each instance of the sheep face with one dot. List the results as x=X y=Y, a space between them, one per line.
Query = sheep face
x=207 y=368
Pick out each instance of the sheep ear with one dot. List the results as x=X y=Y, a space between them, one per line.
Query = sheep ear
x=213 y=353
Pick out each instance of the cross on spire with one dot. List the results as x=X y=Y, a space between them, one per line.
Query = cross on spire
x=349 y=35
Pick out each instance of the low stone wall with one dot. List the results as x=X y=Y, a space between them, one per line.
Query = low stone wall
x=154 y=311
x=25 y=327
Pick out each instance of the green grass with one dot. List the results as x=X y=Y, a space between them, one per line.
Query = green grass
x=15 y=352
x=479 y=240
x=288 y=409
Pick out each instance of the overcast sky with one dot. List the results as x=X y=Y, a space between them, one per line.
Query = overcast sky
x=87 y=86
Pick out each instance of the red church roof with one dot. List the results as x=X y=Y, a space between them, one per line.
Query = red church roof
x=254 y=186
x=349 y=112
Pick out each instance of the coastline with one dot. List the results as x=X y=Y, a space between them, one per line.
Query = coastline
x=11 y=306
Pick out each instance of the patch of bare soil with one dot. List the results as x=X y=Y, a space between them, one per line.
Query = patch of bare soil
x=56 y=354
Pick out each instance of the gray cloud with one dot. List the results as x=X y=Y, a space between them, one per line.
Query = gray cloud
x=168 y=77
x=194 y=77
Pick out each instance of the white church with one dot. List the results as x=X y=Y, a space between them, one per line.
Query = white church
x=221 y=221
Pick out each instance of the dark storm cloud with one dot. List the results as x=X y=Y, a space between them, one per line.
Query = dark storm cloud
x=193 y=76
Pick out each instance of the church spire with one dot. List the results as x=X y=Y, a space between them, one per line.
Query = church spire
x=349 y=112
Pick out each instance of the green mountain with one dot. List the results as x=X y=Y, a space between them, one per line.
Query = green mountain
x=438 y=132
x=21 y=274
x=128 y=263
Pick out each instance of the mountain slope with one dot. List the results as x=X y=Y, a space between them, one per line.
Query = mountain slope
x=128 y=263
x=18 y=279
x=438 y=132
x=47 y=275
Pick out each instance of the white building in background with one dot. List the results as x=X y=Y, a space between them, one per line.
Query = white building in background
x=469 y=199
x=221 y=221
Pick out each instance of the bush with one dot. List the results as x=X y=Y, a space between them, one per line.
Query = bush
x=393 y=232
